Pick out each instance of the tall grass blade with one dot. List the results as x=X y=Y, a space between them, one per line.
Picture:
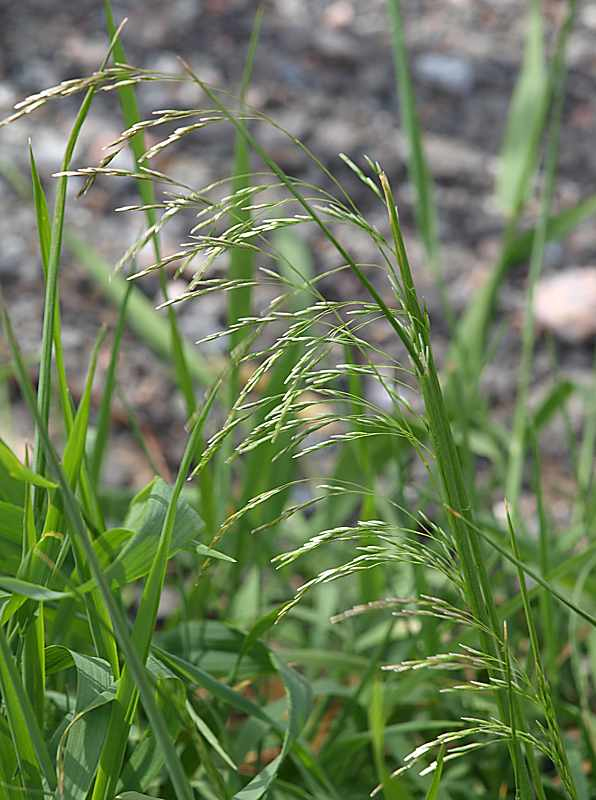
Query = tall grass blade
x=128 y=692
x=33 y=655
x=197 y=676
x=52 y=271
x=45 y=246
x=80 y=743
x=425 y=209
x=393 y=789
x=299 y=707
x=435 y=787
x=534 y=574
x=526 y=117
x=545 y=540
x=544 y=691
x=559 y=225
x=34 y=760
x=19 y=472
x=242 y=267
x=130 y=114
x=522 y=788
x=133 y=660
x=105 y=409
x=241 y=259
x=520 y=426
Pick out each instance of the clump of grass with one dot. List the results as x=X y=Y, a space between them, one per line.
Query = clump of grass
x=290 y=461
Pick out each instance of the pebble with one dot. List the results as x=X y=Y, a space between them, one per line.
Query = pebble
x=566 y=304
x=48 y=146
x=184 y=12
x=333 y=136
x=339 y=14
x=86 y=52
x=8 y=97
x=10 y=258
x=295 y=11
x=37 y=74
x=335 y=45
x=176 y=288
x=19 y=254
x=553 y=254
x=200 y=317
x=98 y=147
x=449 y=73
x=588 y=15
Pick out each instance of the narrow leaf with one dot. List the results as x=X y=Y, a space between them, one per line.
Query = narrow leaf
x=19 y=471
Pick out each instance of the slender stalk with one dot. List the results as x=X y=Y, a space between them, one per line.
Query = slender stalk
x=544 y=690
x=127 y=695
x=105 y=411
x=420 y=176
x=52 y=272
x=520 y=425
x=133 y=659
x=130 y=114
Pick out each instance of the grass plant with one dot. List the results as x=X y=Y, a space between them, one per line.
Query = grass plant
x=353 y=617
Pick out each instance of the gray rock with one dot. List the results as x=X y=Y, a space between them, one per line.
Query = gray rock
x=18 y=257
x=37 y=74
x=184 y=12
x=13 y=247
x=335 y=45
x=333 y=136
x=553 y=254
x=449 y=73
x=566 y=304
x=48 y=145
x=8 y=97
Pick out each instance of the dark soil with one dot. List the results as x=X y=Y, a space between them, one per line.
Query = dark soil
x=324 y=71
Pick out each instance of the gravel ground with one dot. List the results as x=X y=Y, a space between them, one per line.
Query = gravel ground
x=324 y=71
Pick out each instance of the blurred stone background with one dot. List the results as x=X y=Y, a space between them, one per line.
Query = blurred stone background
x=324 y=71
